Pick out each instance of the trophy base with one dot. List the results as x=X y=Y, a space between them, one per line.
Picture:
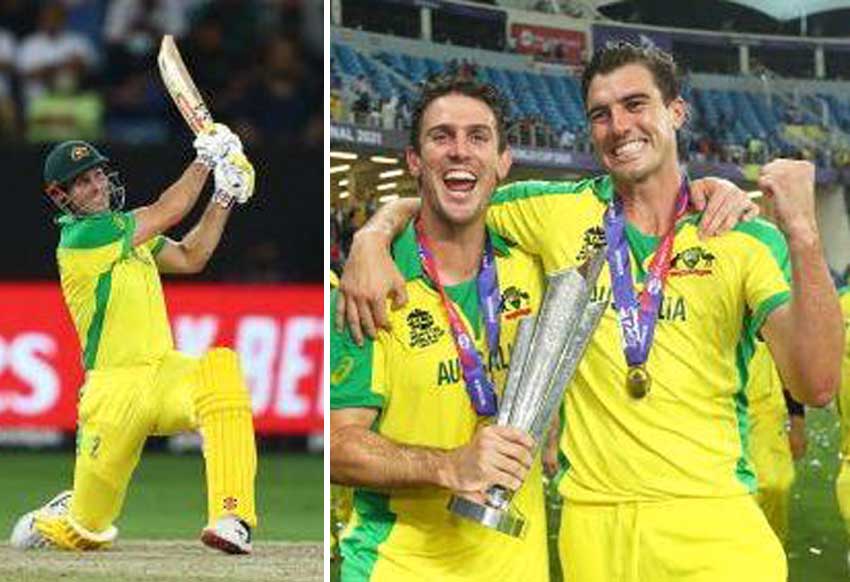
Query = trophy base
x=505 y=521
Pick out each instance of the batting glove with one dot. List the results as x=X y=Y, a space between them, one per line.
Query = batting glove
x=213 y=146
x=234 y=180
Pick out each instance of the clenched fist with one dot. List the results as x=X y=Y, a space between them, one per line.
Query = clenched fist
x=214 y=146
x=791 y=185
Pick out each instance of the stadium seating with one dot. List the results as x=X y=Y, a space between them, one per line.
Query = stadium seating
x=730 y=115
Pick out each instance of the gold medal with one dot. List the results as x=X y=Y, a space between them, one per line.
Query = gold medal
x=638 y=381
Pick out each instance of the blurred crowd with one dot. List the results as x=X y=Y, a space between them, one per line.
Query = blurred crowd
x=792 y=137
x=87 y=68
x=346 y=219
x=359 y=103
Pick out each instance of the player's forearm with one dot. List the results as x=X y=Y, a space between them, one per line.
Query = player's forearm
x=199 y=243
x=172 y=205
x=389 y=221
x=817 y=340
x=360 y=457
x=182 y=195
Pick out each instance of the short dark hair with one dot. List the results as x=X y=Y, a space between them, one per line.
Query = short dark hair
x=463 y=84
x=619 y=54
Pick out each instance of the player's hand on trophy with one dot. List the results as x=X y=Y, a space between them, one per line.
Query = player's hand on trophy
x=723 y=205
x=234 y=179
x=791 y=185
x=212 y=147
x=497 y=455
x=368 y=278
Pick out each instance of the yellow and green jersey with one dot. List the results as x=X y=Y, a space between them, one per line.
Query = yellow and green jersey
x=844 y=393
x=113 y=291
x=412 y=376
x=765 y=390
x=688 y=437
x=770 y=448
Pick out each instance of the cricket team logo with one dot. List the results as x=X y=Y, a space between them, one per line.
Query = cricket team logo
x=592 y=240
x=515 y=302
x=79 y=152
x=692 y=261
x=423 y=332
x=342 y=370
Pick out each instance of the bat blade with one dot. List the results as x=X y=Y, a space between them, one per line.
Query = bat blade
x=180 y=86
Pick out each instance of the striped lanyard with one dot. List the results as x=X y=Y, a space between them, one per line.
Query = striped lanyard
x=638 y=315
x=478 y=385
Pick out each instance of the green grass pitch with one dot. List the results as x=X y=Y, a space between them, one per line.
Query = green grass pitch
x=167 y=499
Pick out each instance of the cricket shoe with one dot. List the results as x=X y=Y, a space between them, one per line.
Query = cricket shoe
x=230 y=535
x=26 y=536
x=51 y=526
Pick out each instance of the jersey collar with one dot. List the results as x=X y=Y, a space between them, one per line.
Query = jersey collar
x=66 y=218
x=406 y=252
x=603 y=189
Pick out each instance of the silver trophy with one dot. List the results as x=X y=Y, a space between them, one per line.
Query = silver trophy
x=546 y=353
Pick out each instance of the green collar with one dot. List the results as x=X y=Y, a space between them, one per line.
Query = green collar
x=65 y=219
x=604 y=191
x=406 y=251
x=642 y=245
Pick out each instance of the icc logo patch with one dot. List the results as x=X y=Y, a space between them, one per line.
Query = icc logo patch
x=423 y=331
x=592 y=240
x=79 y=152
x=514 y=303
x=693 y=261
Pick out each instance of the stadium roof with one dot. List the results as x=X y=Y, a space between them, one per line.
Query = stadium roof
x=781 y=10
x=792 y=9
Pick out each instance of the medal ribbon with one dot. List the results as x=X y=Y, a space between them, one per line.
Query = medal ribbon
x=478 y=385
x=638 y=315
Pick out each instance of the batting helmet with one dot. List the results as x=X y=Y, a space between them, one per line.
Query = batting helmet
x=69 y=159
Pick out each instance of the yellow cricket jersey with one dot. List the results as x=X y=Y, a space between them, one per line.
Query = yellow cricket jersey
x=688 y=437
x=765 y=391
x=844 y=394
x=412 y=376
x=113 y=291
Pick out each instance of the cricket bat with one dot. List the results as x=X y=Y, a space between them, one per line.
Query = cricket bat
x=180 y=86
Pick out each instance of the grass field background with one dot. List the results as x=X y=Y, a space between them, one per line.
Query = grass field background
x=167 y=499
x=818 y=546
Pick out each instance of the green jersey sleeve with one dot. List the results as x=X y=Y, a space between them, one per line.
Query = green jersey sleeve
x=353 y=369
x=767 y=271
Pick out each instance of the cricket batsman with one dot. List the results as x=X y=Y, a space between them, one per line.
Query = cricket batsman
x=136 y=383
